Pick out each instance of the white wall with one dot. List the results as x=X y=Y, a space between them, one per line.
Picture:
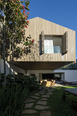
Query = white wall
x=16 y=69
x=70 y=75
x=37 y=72
x=2 y=67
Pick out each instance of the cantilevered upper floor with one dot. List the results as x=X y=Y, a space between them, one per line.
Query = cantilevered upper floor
x=52 y=42
x=54 y=46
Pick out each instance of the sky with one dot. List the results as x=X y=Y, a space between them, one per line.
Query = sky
x=62 y=12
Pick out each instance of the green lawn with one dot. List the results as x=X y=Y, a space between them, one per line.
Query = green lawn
x=60 y=108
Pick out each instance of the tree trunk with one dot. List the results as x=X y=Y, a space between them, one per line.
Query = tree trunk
x=0 y=69
x=10 y=58
x=13 y=57
x=4 y=29
x=0 y=44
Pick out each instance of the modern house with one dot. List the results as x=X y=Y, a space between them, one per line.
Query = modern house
x=54 y=47
x=69 y=73
x=72 y=66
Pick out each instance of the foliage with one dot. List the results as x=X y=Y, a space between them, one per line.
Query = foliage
x=24 y=47
x=12 y=11
x=16 y=13
x=28 y=81
x=12 y=96
x=58 y=107
x=12 y=99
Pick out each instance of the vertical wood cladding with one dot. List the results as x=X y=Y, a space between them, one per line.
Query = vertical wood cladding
x=65 y=43
x=42 y=42
x=36 y=28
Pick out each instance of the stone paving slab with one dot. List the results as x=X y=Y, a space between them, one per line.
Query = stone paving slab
x=45 y=113
x=30 y=111
x=42 y=102
x=29 y=105
x=35 y=97
x=29 y=100
x=29 y=115
x=40 y=107
x=42 y=90
x=42 y=93
x=45 y=96
x=44 y=99
x=37 y=94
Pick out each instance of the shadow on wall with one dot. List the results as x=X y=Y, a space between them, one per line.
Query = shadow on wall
x=14 y=68
x=7 y=67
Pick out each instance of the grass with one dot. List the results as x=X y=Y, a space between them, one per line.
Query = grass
x=58 y=107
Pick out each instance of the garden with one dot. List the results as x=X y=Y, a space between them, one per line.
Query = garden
x=13 y=95
x=15 y=90
x=59 y=107
x=22 y=91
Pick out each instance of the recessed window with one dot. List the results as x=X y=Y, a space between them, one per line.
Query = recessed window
x=52 y=44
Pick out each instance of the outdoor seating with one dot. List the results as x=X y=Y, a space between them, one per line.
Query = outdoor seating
x=48 y=83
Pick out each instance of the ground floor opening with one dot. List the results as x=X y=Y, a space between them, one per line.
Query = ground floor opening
x=50 y=79
x=54 y=76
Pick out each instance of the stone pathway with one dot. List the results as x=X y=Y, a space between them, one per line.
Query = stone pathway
x=36 y=105
x=42 y=102
x=41 y=107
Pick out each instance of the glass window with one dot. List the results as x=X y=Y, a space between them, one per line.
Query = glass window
x=52 y=44
x=57 y=49
x=48 y=46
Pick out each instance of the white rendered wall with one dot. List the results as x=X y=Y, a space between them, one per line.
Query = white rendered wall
x=70 y=75
x=2 y=67
x=37 y=72
x=16 y=69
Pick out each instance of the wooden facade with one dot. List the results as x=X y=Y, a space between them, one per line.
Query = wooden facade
x=38 y=28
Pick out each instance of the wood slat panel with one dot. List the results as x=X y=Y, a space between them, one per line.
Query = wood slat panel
x=36 y=26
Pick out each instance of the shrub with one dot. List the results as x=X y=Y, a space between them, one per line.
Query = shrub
x=12 y=96
x=12 y=100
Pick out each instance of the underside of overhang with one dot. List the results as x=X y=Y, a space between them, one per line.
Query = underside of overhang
x=40 y=65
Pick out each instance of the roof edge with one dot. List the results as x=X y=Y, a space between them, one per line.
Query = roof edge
x=52 y=22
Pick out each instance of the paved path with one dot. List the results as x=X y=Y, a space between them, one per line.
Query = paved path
x=36 y=105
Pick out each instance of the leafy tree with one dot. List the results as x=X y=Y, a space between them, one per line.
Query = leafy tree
x=13 y=16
